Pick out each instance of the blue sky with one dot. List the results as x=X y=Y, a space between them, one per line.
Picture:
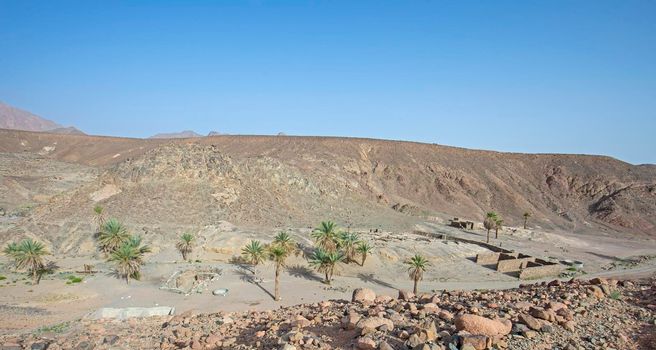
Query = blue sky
x=526 y=76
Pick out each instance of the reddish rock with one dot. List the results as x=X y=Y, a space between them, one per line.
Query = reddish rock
x=479 y=325
x=363 y=295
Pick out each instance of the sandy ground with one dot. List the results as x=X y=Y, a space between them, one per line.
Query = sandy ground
x=25 y=308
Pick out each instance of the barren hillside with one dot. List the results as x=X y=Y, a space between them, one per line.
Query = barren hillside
x=284 y=181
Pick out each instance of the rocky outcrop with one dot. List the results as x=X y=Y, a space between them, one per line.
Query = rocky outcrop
x=555 y=315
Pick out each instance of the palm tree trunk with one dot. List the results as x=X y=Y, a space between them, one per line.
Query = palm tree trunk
x=327 y=279
x=414 y=290
x=34 y=278
x=488 y=236
x=127 y=278
x=496 y=233
x=525 y=222
x=277 y=282
x=364 y=257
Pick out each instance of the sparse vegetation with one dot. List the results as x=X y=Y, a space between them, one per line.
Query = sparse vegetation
x=526 y=216
x=326 y=236
x=498 y=225
x=326 y=262
x=278 y=254
x=284 y=240
x=28 y=255
x=254 y=253
x=615 y=295
x=349 y=242
x=489 y=223
x=185 y=245
x=99 y=216
x=73 y=279
x=129 y=258
x=417 y=266
x=113 y=234
x=364 y=248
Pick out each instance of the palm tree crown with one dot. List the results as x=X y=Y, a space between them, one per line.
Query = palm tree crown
x=129 y=257
x=417 y=266
x=29 y=256
x=112 y=235
x=490 y=222
x=364 y=248
x=254 y=253
x=326 y=262
x=284 y=240
x=348 y=242
x=326 y=236
x=185 y=245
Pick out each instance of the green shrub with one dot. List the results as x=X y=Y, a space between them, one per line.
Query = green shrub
x=615 y=295
x=56 y=328
x=2 y=278
x=73 y=279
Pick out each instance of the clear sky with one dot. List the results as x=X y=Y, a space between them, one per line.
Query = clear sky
x=526 y=76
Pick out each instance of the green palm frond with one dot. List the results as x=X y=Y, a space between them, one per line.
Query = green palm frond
x=112 y=235
x=254 y=252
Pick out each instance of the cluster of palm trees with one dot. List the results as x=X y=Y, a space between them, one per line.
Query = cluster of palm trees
x=492 y=221
x=28 y=255
x=334 y=247
x=122 y=249
x=255 y=253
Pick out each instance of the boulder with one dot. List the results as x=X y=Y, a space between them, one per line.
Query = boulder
x=478 y=325
x=530 y=321
x=363 y=295
x=471 y=341
x=375 y=323
x=350 y=321
x=366 y=343
x=405 y=294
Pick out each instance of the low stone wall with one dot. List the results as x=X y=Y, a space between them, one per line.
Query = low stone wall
x=130 y=312
x=540 y=269
x=487 y=258
x=515 y=264
x=513 y=261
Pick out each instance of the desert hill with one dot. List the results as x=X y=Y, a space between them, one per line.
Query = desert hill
x=279 y=181
x=176 y=135
x=15 y=118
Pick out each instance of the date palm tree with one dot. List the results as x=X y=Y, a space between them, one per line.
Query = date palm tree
x=128 y=258
x=278 y=254
x=326 y=236
x=29 y=256
x=498 y=225
x=489 y=223
x=526 y=216
x=284 y=240
x=349 y=241
x=364 y=248
x=417 y=266
x=99 y=216
x=326 y=262
x=112 y=236
x=254 y=253
x=185 y=245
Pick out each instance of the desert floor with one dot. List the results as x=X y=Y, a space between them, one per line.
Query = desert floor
x=28 y=308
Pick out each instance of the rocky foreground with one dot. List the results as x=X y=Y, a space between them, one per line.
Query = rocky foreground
x=595 y=314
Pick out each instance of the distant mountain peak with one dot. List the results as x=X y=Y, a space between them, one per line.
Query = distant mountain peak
x=18 y=119
x=176 y=135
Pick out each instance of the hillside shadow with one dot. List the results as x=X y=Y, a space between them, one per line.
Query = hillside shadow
x=303 y=272
x=371 y=278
